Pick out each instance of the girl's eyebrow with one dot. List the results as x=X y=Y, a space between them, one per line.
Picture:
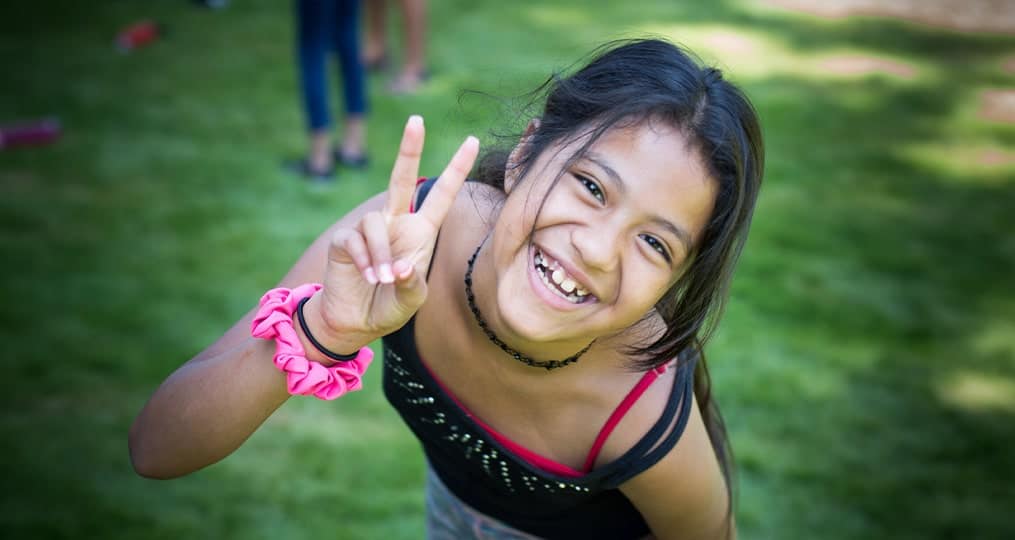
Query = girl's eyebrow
x=673 y=228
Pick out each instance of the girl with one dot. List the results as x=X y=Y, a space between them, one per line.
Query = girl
x=542 y=324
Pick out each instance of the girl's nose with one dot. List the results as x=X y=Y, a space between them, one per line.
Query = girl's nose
x=598 y=247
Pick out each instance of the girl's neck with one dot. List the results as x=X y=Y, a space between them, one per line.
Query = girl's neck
x=467 y=225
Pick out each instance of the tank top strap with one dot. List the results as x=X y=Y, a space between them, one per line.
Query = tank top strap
x=423 y=185
x=618 y=414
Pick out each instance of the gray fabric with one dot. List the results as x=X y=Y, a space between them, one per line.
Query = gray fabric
x=448 y=518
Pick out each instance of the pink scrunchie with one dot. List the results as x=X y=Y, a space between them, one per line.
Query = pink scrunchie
x=274 y=320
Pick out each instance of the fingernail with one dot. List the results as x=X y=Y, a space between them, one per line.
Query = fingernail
x=415 y=120
x=370 y=276
x=385 y=273
x=402 y=268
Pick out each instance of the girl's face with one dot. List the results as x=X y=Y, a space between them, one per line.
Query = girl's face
x=611 y=238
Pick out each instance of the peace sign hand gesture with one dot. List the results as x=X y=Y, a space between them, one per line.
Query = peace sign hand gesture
x=375 y=278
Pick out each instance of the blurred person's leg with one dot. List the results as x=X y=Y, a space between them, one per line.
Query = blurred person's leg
x=313 y=38
x=353 y=148
x=376 y=54
x=414 y=12
x=413 y=71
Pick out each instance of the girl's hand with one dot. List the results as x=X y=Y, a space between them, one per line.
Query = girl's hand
x=375 y=278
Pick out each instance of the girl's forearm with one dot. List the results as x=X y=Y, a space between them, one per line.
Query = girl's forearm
x=207 y=408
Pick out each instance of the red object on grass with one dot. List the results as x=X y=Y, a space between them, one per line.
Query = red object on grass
x=34 y=133
x=137 y=35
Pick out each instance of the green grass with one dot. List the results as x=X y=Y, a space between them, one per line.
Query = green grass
x=866 y=364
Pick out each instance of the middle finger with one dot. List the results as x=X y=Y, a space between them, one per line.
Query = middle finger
x=406 y=169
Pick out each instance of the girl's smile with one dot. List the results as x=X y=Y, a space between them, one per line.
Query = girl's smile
x=558 y=282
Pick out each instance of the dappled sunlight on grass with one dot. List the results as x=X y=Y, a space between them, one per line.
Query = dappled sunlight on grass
x=558 y=15
x=752 y=54
x=996 y=337
x=963 y=161
x=747 y=53
x=978 y=392
x=998 y=105
x=855 y=65
x=967 y=15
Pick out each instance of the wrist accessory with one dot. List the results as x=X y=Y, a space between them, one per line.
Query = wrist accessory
x=313 y=341
x=274 y=320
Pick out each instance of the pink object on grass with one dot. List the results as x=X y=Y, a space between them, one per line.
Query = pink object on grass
x=138 y=35
x=34 y=133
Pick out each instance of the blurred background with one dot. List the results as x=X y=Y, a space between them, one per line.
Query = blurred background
x=865 y=365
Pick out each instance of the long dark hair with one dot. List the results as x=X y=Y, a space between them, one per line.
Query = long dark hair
x=633 y=81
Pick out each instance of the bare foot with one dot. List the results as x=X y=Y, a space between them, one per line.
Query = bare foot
x=375 y=61
x=408 y=82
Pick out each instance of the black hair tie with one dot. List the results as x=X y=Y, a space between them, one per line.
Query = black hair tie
x=317 y=345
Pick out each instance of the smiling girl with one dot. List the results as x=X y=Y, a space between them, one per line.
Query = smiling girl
x=542 y=323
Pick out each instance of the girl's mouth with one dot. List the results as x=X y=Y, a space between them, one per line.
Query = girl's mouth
x=558 y=281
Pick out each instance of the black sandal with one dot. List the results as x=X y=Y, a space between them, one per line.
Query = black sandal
x=302 y=168
x=357 y=162
x=381 y=63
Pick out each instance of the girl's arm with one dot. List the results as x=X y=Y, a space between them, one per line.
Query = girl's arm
x=210 y=405
x=372 y=265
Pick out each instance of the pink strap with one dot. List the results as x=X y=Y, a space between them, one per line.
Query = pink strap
x=618 y=413
x=546 y=463
x=533 y=458
x=274 y=320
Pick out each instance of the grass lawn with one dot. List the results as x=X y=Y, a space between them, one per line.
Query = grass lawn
x=866 y=364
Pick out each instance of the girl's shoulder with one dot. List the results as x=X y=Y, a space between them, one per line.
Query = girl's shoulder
x=479 y=201
x=642 y=415
x=473 y=213
x=684 y=494
x=475 y=202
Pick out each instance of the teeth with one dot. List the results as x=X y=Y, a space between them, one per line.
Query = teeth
x=554 y=290
x=552 y=272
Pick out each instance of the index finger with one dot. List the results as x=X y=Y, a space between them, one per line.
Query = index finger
x=442 y=194
x=405 y=172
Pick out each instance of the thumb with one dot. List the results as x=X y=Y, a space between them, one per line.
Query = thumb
x=409 y=283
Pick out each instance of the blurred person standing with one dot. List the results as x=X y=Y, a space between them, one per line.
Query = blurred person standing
x=413 y=72
x=323 y=26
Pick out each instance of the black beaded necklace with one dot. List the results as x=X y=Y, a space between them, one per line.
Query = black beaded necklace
x=545 y=364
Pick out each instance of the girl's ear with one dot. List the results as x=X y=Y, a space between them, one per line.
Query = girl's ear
x=510 y=170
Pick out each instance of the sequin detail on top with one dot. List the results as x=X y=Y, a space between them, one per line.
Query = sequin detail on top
x=475 y=446
x=496 y=481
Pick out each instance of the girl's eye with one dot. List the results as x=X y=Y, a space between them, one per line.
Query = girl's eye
x=592 y=188
x=655 y=244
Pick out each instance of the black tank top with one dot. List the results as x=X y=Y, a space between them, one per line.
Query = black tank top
x=493 y=480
